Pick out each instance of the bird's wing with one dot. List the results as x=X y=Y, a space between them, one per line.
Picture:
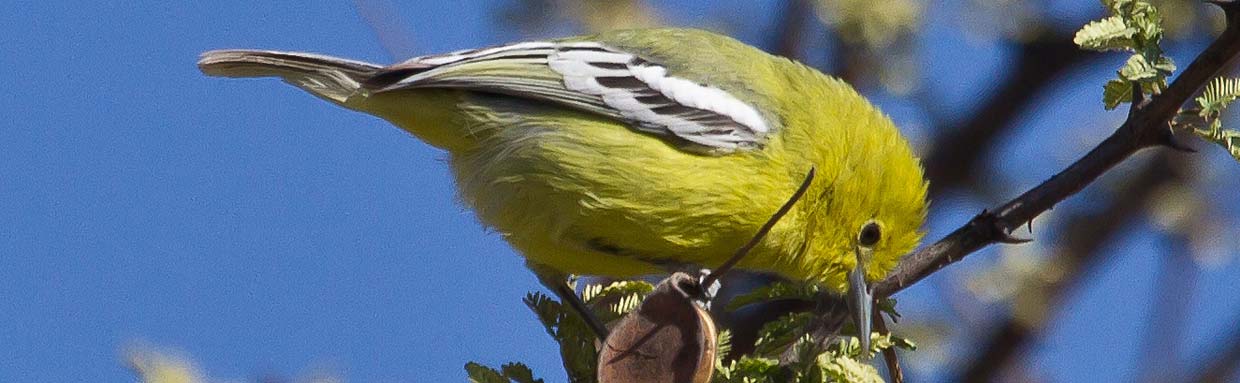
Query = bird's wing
x=593 y=77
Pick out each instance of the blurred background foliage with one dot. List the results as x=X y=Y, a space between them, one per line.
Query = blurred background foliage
x=992 y=113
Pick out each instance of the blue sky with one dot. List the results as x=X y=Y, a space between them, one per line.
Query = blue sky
x=264 y=232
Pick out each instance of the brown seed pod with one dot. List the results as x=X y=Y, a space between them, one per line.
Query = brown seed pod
x=668 y=339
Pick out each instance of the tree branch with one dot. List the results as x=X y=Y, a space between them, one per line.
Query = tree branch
x=889 y=354
x=1147 y=126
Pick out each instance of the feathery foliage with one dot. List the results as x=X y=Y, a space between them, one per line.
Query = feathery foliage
x=1134 y=26
x=835 y=362
x=1220 y=93
x=1111 y=33
x=509 y=373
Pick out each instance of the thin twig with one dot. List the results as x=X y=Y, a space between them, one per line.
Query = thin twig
x=1147 y=127
x=889 y=354
x=762 y=231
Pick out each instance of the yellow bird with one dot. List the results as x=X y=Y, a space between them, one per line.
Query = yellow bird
x=635 y=152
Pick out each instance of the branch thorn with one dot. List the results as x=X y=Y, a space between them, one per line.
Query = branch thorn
x=998 y=231
x=1007 y=238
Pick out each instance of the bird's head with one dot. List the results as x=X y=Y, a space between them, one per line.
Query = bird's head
x=865 y=208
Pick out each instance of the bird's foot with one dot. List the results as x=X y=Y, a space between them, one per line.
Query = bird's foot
x=708 y=292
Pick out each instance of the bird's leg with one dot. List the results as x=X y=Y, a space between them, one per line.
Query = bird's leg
x=703 y=276
x=709 y=291
x=557 y=282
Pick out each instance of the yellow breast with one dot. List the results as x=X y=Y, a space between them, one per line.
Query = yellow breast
x=587 y=195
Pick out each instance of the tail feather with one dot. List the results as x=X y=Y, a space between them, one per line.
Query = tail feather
x=328 y=77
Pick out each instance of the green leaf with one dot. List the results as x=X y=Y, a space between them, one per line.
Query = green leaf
x=1231 y=141
x=1116 y=5
x=1219 y=93
x=723 y=346
x=1228 y=139
x=903 y=343
x=549 y=312
x=1139 y=68
x=878 y=343
x=1116 y=92
x=1217 y=96
x=775 y=291
x=483 y=374
x=1164 y=65
x=842 y=369
x=1136 y=26
x=776 y=335
x=618 y=298
x=887 y=305
x=1112 y=33
x=571 y=332
x=512 y=373
x=594 y=293
x=750 y=370
x=807 y=353
x=1138 y=15
x=519 y=373
x=625 y=304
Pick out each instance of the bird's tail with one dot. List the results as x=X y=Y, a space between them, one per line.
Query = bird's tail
x=426 y=114
x=331 y=78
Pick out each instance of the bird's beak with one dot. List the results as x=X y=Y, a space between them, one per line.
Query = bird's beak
x=861 y=303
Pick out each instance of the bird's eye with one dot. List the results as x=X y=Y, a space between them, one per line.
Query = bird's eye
x=870 y=234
